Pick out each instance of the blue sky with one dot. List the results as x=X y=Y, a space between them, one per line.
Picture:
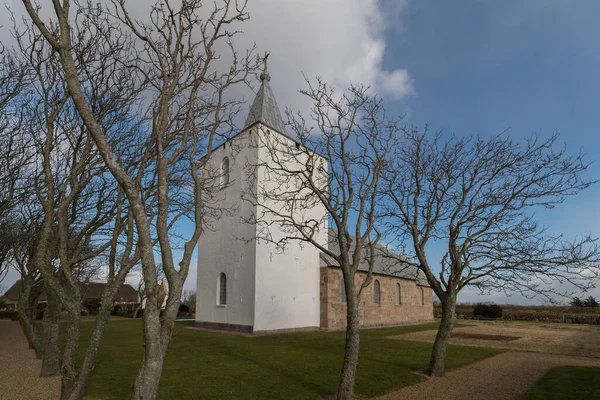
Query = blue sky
x=530 y=67
x=467 y=67
x=527 y=66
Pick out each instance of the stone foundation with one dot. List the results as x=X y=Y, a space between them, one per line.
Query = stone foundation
x=385 y=313
x=224 y=327
x=248 y=329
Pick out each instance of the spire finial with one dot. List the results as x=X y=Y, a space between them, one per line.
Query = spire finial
x=264 y=107
x=265 y=74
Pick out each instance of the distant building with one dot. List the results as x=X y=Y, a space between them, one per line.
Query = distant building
x=126 y=294
x=250 y=286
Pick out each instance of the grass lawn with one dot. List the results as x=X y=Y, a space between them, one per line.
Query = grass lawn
x=302 y=365
x=566 y=383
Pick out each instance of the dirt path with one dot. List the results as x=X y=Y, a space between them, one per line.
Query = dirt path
x=503 y=377
x=19 y=369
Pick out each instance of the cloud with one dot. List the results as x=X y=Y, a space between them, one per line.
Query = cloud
x=134 y=277
x=397 y=84
x=341 y=41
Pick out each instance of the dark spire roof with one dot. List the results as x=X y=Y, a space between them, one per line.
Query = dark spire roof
x=264 y=107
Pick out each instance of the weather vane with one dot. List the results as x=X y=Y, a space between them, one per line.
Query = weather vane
x=267 y=54
x=264 y=76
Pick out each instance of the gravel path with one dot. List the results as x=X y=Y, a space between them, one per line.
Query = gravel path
x=19 y=369
x=506 y=376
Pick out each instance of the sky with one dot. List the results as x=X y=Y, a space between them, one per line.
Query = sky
x=467 y=67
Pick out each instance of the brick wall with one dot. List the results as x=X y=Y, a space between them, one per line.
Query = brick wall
x=386 y=312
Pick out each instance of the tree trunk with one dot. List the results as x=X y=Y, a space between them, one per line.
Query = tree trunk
x=158 y=330
x=69 y=372
x=51 y=357
x=27 y=311
x=137 y=310
x=437 y=362
x=146 y=383
x=79 y=384
x=348 y=375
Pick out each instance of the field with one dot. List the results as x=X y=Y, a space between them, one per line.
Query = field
x=549 y=338
x=587 y=315
x=303 y=365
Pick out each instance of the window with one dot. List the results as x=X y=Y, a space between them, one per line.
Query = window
x=376 y=292
x=422 y=297
x=222 y=289
x=225 y=171
x=344 y=297
x=398 y=294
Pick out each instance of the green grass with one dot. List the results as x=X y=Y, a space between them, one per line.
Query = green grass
x=566 y=383
x=302 y=365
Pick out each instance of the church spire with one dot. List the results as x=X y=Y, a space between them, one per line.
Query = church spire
x=264 y=107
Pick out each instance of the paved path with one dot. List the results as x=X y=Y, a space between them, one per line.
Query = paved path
x=505 y=376
x=19 y=369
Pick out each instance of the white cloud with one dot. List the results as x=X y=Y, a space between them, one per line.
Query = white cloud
x=342 y=41
x=134 y=277
x=397 y=84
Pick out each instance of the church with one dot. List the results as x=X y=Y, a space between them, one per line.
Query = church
x=248 y=285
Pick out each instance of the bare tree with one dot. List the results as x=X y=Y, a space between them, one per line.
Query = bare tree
x=25 y=227
x=85 y=215
x=330 y=175
x=13 y=149
x=189 y=299
x=175 y=55
x=476 y=197
x=143 y=293
x=88 y=270
x=19 y=219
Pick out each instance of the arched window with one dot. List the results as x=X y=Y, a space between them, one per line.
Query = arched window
x=222 y=289
x=398 y=294
x=225 y=171
x=344 y=297
x=422 y=297
x=376 y=296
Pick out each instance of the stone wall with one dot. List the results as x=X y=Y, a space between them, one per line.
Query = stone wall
x=384 y=313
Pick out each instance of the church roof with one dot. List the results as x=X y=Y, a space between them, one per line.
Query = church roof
x=264 y=108
x=385 y=262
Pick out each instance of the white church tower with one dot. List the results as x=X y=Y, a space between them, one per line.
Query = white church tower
x=244 y=283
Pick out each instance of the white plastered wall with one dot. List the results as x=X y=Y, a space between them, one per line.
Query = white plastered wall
x=288 y=281
x=224 y=247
